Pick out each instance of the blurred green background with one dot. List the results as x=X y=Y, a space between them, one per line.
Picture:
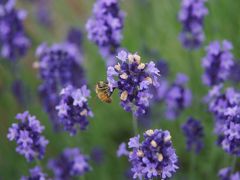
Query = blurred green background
x=150 y=23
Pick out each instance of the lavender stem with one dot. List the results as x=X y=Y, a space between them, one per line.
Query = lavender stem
x=234 y=162
x=135 y=125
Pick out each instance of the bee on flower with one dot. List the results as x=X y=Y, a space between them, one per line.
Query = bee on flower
x=134 y=80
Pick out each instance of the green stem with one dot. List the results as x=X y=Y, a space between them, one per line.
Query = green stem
x=178 y=124
x=38 y=163
x=234 y=162
x=82 y=177
x=192 y=70
x=135 y=125
x=192 y=165
x=193 y=80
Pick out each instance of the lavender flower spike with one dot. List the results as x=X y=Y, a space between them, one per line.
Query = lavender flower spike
x=178 y=97
x=193 y=131
x=122 y=150
x=75 y=36
x=59 y=65
x=134 y=80
x=98 y=155
x=27 y=134
x=226 y=174
x=191 y=16
x=105 y=28
x=73 y=109
x=225 y=107
x=154 y=157
x=43 y=13
x=222 y=104
x=13 y=41
x=35 y=174
x=69 y=164
x=229 y=139
x=217 y=63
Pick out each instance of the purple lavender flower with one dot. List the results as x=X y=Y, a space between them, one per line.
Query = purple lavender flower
x=13 y=41
x=234 y=74
x=97 y=155
x=68 y=164
x=43 y=12
x=73 y=108
x=59 y=66
x=222 y=104
x=105 y=28
x=217 y=63
x=191 y=16
x=229 y=138
x=75 y=37
x=178 y=97
x=133 y=79
x=226 y=174
x=122 y=150
x=35 y=174
x=154 y=157
x=193 y=131
x=225 y=107
x=162 y=66
x=160 y=93
x=128 y=174
x=27 y=134
x=235 y=176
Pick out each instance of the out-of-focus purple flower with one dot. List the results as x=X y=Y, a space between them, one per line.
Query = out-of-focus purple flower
x=73 y=108
x=162 y=66
x=97 y=155
x=128 y=174
x=27 y=134
x=234 y=74
x=178 y=97
x=105 y=28
x=217 y=63
x=160 y=92
x=154 y=157
x=59 y=66
x=225 y=107
x=68 y=164
x=35 y=174
x=122 y=150
x=229 y=138
x=19 y=91
x=13 y=41
x=226 y=174
x=191 y=16
x=43 y=12
x=222 y=104
x=134 y=80
x=235 y=176
x=75 y=37
x=193 y=131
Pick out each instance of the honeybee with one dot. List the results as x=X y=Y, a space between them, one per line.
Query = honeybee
x=103 y=92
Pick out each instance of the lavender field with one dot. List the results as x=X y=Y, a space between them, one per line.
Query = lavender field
x=119 y=89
